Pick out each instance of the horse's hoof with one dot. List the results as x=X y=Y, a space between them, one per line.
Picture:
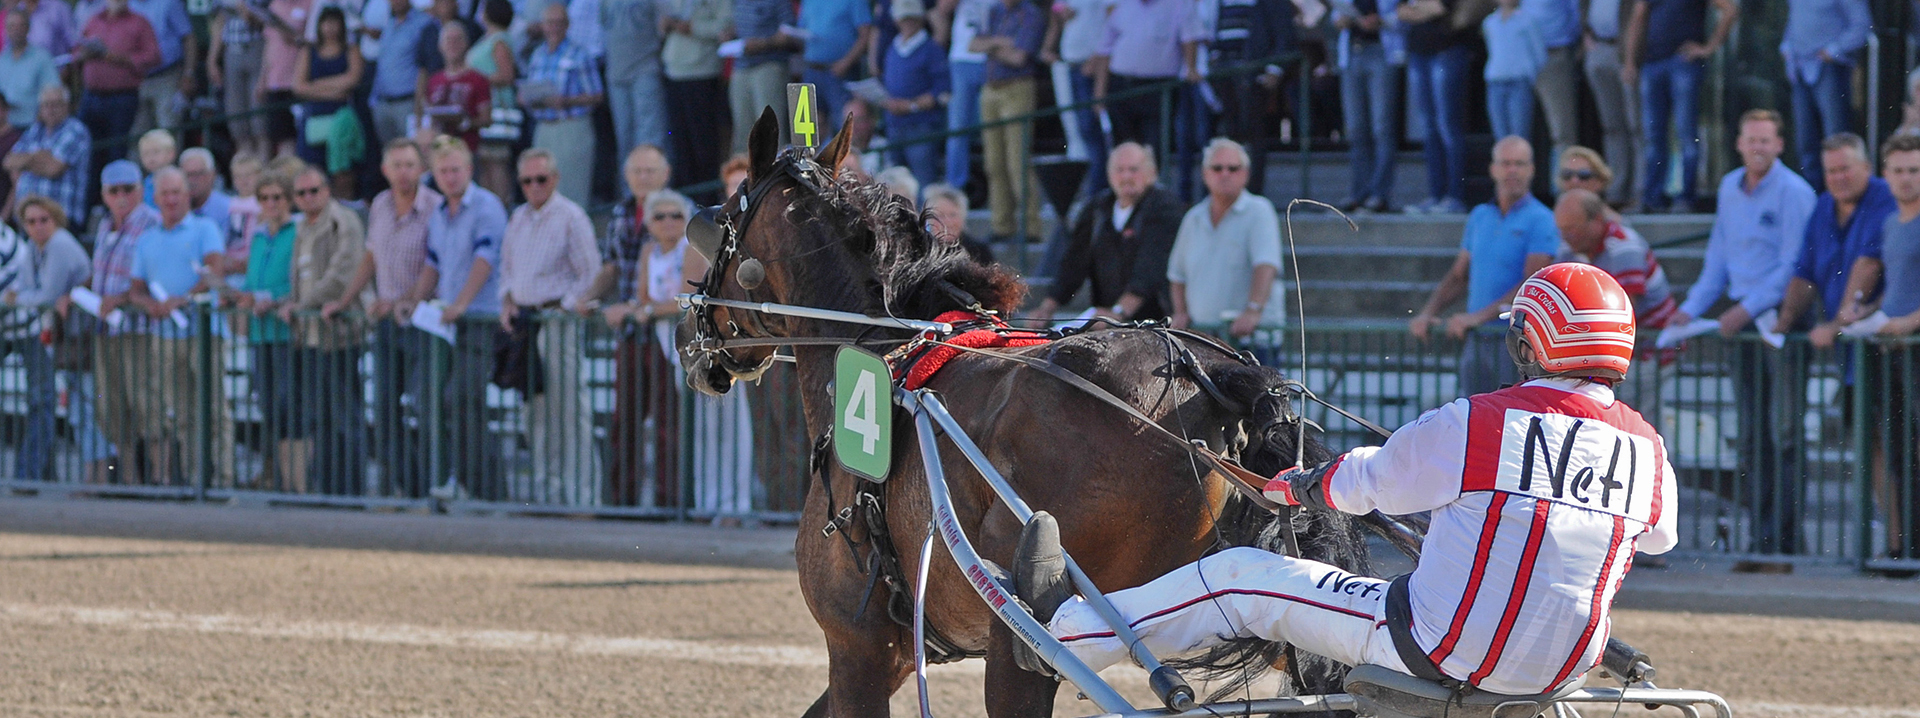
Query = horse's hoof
x=1040 y=567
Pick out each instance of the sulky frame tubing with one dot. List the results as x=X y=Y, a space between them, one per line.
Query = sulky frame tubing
x=693 y=300
x=1025 y=627
x=930 y=404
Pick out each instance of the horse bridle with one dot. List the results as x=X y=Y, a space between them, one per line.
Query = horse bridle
x=715 y=233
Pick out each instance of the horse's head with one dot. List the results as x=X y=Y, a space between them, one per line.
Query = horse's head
x=750 y=243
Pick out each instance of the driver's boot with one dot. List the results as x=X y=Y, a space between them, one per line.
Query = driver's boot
x=1040 y=580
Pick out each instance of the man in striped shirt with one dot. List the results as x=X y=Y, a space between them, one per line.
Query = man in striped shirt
x=1540 y=494
x=1592 y=238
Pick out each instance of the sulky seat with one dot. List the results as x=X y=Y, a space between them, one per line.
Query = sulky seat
x=1387 y=693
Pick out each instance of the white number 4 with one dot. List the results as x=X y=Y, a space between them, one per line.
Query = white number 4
x=863 y=411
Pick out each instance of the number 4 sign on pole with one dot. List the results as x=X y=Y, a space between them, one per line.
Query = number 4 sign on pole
x=862 y=413
x=803 y=105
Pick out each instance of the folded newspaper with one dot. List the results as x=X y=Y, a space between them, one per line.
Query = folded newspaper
x=1867 y=327
x=89 y=302
x=1671 y=336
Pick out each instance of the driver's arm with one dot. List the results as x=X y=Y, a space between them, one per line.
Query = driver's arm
x=1418 y=469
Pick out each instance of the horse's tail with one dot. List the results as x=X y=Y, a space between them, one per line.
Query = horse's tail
x=1274 y=442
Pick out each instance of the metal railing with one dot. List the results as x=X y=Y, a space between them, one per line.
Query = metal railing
x=1790 y=452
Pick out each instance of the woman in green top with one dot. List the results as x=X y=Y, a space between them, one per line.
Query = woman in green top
x=493 y=56
x=269 y=279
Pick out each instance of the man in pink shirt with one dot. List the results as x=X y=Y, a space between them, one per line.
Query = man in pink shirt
x=117 y=48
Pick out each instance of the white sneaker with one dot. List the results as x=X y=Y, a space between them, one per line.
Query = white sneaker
x=450 y=491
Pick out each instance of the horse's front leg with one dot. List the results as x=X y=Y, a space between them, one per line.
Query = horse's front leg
x=860 y=681
x=1014 y=692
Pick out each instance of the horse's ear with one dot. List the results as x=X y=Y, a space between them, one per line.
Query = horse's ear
x=836 y=150
x=763 y=144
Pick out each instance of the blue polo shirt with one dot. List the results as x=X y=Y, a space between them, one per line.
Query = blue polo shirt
x=832 y=27
x=1499 y=245
x=1755 y=241
x=401 y=47
x=1831 y=248
x=170 y=258
x=454 y=241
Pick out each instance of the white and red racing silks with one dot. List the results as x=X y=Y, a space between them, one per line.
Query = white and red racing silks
x=1540 y=495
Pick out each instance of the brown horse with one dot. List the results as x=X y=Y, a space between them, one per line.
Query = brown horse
x=1130 y=502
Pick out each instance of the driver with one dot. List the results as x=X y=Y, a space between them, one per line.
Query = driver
x=1540 y=493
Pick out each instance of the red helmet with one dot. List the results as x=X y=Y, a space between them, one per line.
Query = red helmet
x=1576 y=320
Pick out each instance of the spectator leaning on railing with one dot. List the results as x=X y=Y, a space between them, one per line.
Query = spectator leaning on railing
x=46 y=265
x=1845 y=225
x=1756 y=240
x=463 y=247
x=1120 y=242
x=176 y=255
x=328 y=247
x=396 y=256
x=121 y=355
x=1893 y=369
x=548 y=262
x=283 y=408
x=1505 y=241
x=55 y=254
x=626 y=240
x=1227 y=252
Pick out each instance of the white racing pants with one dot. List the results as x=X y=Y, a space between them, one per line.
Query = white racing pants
x=1241 y=593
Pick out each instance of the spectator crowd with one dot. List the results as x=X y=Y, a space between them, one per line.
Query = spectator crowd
x=341 y=176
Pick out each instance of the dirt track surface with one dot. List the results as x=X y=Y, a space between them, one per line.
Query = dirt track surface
x=139 y=626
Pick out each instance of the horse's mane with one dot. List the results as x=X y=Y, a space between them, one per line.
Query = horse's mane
x=918 y=276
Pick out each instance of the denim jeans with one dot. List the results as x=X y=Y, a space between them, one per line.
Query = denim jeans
x=639 y=112
x=921 y=157
x=1670 y=98
x=93 y=445
x=1092 y=138
x=1821 y=108
x=963 y=110
x=1370 y=97
x=1510 y=107
x=833 y=99
x=36 y=450
x=1438 y=80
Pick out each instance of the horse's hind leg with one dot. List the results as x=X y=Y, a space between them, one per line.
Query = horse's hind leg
x=1014 y=692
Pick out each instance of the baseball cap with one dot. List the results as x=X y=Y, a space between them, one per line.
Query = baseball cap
x=119 y=172
x=909 y=8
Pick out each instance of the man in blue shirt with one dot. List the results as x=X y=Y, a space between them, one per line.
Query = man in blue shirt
x=171 y=262
x=1821 y=44
x=396 y=76
x=463 y=250
x=1756 y=241
x=838 y=32
x=1505 y=242
x=1846 y=225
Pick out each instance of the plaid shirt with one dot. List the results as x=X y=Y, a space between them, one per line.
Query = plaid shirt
x=571 y=71
x=239 y=31
x=399 y=244
x=69 y=143
x=548 y=255
x=625 y=241
x=113 y=251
